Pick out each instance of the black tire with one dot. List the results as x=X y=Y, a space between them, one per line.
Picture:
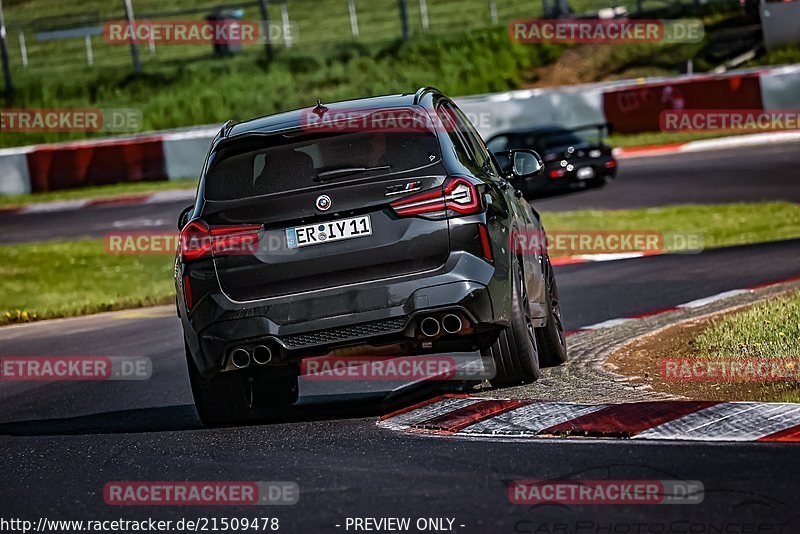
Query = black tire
x=515 y=354
x=550 y=338
x=600 y=181
x=240 y=396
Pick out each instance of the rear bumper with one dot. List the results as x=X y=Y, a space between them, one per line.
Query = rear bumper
x=544 y=182
x=313 y=323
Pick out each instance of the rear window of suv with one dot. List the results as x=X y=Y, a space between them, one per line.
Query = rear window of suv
x=259 y=165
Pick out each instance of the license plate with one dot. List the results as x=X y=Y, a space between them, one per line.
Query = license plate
x=316 y=234
x=585 y=173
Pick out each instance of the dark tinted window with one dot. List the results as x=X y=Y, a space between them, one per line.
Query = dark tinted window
x=263 y=165
x=448 y=121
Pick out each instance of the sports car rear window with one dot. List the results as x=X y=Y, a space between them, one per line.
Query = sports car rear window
x=263 y=165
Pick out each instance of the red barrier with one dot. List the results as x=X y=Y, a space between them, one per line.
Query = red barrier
x=72 y=165
x=637 y=109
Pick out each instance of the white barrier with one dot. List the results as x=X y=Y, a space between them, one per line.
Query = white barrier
x=780 y=88
x=185 y=153
x=14 y=176
x=568 y=106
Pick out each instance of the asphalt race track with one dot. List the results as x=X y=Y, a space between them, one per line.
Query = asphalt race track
x=61 y=442
x=345 y=465
x=731 y=175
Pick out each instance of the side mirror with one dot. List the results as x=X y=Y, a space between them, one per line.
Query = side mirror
x=525 y=163
x=183 y=218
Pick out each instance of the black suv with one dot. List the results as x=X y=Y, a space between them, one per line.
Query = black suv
x=331 y=227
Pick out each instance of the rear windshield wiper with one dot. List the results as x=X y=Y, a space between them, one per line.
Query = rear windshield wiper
x=347 y=171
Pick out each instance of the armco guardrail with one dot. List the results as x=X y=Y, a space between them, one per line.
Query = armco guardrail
x=630 y=105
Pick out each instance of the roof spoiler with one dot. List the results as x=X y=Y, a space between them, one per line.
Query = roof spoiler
x=596 y=126
x=422 y=91
x=227 y=127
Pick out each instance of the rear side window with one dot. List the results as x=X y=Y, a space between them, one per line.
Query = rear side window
x=263 y=165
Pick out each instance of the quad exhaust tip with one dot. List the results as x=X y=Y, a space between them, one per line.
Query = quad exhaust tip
x=429 y=327
x=240 y=358
x=262 y=355
x=452 y=323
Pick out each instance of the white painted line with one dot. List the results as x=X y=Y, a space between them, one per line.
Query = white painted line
x=608 y=324
x=713 y=298
x=531 y=419
x=171 y=196
x=61 y=205
x=610 y=256
x=737 y=141
x=732 y=421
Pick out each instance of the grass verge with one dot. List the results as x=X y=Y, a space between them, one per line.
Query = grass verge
x=768 y=331
x=104 y=191
x=42 y=281
x=47 y=280
x=718 y=225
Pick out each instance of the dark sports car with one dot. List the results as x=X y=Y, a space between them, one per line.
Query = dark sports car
x=571 y=160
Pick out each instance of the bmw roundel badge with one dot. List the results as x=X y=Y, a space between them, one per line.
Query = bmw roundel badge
x=323 y=202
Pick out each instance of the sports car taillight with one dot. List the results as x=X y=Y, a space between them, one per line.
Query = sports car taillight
x=459 y=196
x=200 y=241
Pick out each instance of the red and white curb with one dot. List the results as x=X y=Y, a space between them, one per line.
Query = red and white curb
x=461 y=415
x=161 y=197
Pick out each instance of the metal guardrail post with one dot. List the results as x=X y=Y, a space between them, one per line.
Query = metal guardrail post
x=404 y=18
x=351 y=5
x=9 y=85
x=262 y=6
x=137 y=65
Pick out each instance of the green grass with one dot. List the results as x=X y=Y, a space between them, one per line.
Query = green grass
x=780 y=56
x=45 y=280
x=110 y=191
x=320 y=24
x=719 y=225
x=41 y=281
x=215 y=90
x=768 y=330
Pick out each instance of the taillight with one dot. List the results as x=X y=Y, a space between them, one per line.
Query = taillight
x=557 y=173
x=459 y=196
x=611 y=164
x=200 y=241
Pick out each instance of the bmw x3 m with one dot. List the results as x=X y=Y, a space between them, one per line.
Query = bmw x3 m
x=325 y=228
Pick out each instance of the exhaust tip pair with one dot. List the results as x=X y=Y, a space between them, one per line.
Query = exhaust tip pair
x=242 y=358
x=431 y=326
